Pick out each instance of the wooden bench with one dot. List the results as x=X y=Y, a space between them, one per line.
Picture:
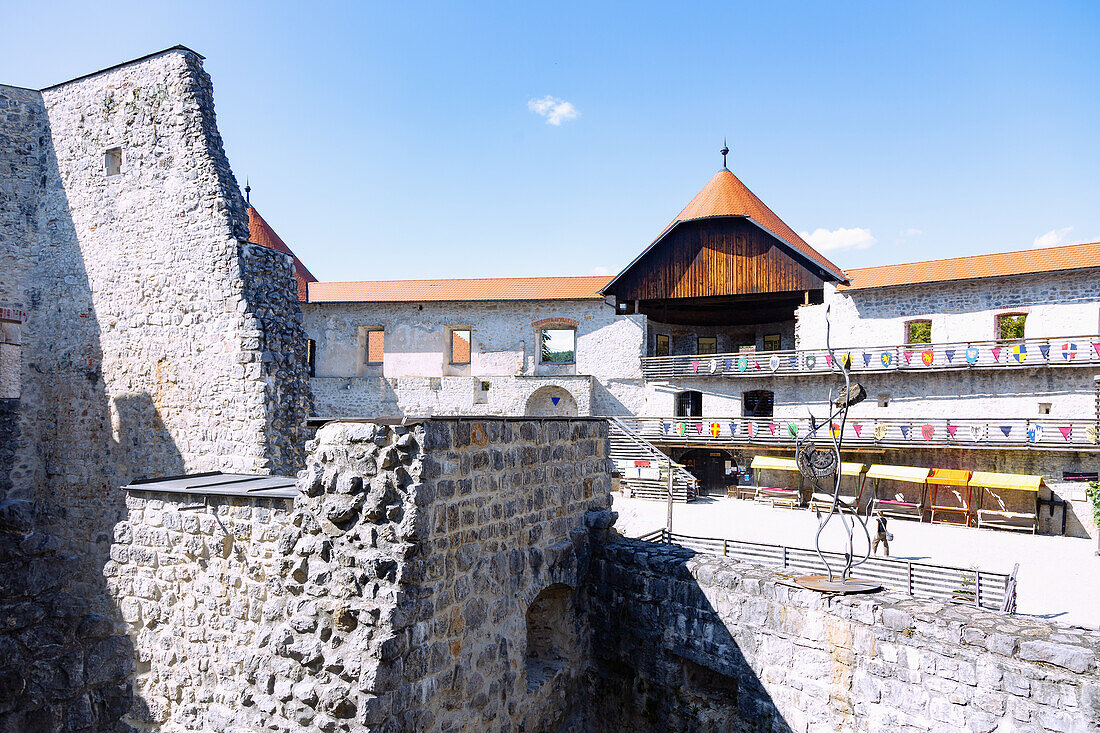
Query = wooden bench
x=899 y=509
x=777 y=496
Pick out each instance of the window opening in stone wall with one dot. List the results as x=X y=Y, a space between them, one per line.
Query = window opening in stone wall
x=772 y=342
x=551 y=635
x=706 y=345
x=662 y=345
x=460 y=345
x=1010 y=326
x=689 y=403
x=884 y=399
x=918 y=332
x=1044 y=408
x=311 y=356
x=757 y=403
x=112 y=161
x=372 y=345
x=558 y=346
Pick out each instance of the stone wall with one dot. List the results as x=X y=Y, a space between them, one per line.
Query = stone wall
x=391 y=595
x=691 y=642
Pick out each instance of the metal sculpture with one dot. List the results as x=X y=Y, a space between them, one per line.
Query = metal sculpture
x=818 y=464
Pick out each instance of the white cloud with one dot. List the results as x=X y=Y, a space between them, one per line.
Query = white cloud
x=824 y=240
x=1053 y=238
x=911 y=232
x=600 y=270
x=556 y=111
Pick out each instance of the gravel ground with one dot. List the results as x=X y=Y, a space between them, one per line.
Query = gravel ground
x=1058 y=579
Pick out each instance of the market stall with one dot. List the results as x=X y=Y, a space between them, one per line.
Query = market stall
x=899 y=491
x=776 y=495
x=851 y=491
x=950 y=496
x=1013 y=499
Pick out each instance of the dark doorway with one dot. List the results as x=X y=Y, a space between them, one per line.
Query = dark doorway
x=689 y=403
x=709 y=468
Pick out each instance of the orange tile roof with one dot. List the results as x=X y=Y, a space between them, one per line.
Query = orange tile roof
x=998 y=264
x=260 y=232
x=726 y=195
x=487 y=288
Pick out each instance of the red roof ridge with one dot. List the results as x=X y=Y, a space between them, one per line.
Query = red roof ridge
x=261 y=233
x=564 y=287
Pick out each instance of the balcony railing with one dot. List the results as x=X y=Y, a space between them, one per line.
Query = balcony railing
x=1022 y=354
x=1018 y=433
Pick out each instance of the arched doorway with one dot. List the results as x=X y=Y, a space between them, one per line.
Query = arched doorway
x=551 y=401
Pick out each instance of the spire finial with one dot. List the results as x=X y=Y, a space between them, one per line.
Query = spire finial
x=247 y=191
x=724 y=151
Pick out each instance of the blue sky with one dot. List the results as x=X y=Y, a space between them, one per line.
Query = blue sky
x=398 y=140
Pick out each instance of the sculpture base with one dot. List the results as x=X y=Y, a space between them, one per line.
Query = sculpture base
x=822 y=584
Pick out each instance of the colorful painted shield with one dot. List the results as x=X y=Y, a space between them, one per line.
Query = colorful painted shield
x=1035 y=433
x=773 y=363
x=927 y=432
x=977 y=432
x=1092 y=435
x=834 y=430
x=1019 y=353
x=1069 y=351
x=750 y=428
x=880 y=431
x=927 y=357
x=887 y=359
x=713 y=366
x=972 y=355
x=742 y=364
x=715 y=428
x=792 y=429
x=811 y=360
x=680 y=428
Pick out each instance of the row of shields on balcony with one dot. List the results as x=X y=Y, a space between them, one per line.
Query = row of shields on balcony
x=879 y=431
x=1015 y=354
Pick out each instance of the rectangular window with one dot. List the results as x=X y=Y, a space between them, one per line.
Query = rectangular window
x=112 y=161
x=772 y=342
x=376 y=346
x=757 y=403
x=559 y=346
x=883 y=400
x=662 y=345
x=1010 y=326
x=1044 y=408
x=918 y=332
x=460 y=346
x=311 y=356
x=707 y=345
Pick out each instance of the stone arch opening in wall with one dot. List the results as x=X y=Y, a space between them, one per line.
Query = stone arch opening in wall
x=551 y=635
x=551 y=401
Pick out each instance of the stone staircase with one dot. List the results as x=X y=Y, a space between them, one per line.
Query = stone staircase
x=628 y=447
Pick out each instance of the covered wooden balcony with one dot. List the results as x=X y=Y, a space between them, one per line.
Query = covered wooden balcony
x=871 y=433
x=1065 y=351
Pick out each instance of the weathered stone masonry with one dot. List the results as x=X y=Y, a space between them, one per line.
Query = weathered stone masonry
x=697 y=643
x=391 y=595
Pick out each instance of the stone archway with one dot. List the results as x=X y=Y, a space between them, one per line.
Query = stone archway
x=551 y=401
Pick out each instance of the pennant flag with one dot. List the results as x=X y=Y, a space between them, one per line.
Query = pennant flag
x=996 y=350
x=950 y=354
x=951 y=430
x=792 y=429
x=887 y=359
x=1069 y=351
x=666 y=428
x=773 y=427
x=905 y=431
x=793 y=362
x=858 y=427
x=1006 y=429
x=908 y=356
x=728 y=364
x=698 y=428
x=715 y=428
x=555 y=400
x=1044 y=349
x=756 y=364
x=972 y=354
x=1019 y=353
x=1097 y=347
x=742 y=364
x=866 y=359
x=880 y=431
x=773 y=363
x=828 y=359
x=928 y=356
x=1066 y=431
x=695 y=367
x=733 y=428
x=927 y=432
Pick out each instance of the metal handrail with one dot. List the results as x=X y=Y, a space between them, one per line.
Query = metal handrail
x=972 y=586
x=681 y=475
x=1022 y=433
x=1062 y=351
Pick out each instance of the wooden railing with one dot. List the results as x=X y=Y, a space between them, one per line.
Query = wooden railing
x=1068 y=351
x=970 y=586
x=910 y=432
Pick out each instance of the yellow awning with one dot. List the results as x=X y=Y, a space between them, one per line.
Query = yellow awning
x=912 y=474
x=774 y=464
x=851 y=469
x=1021 y=481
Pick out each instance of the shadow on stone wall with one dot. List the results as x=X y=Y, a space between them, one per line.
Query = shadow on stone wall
x=663 y=659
